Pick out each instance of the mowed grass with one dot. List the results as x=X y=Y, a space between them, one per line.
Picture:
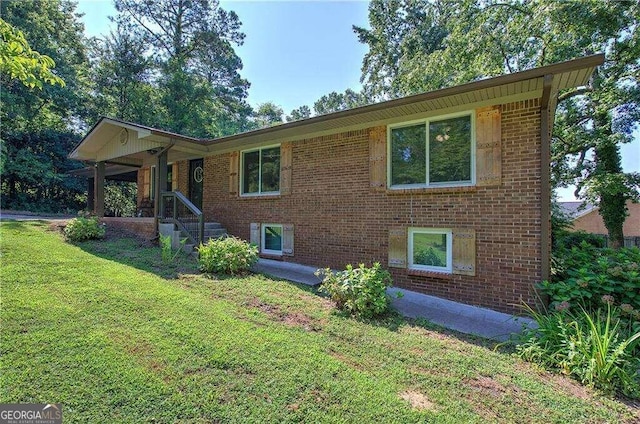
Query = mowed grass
x=96 y=328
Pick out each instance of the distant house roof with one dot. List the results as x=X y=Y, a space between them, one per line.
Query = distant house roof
x=576 y=209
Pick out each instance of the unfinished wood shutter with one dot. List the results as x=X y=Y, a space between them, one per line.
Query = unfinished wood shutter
x=287 y=239
x=488 y=146
x=234 y=167
x=174 y=176
x=254 y=237
x=146 y=183
x=398 y=248
x=464 y=251
x=286 y=156
x=378 y=158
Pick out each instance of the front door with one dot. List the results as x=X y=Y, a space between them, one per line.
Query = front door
x=196 y=176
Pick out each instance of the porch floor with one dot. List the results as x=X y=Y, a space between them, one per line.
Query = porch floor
x=456 y=316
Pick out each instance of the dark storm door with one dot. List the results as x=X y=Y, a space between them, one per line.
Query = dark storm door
x=196 y=176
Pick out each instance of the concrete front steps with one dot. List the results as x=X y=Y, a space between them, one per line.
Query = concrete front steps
x=212 y=230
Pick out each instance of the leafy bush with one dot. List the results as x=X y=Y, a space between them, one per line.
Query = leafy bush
x=592 y=347
x=571 y=239
x=165 y=247
x=587 y=273
x=84 y=228
x=429 y=256
x=229 y=255
x=360 y=291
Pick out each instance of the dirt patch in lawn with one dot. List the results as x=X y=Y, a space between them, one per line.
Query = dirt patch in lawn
x=289 y=318
x=418 y=400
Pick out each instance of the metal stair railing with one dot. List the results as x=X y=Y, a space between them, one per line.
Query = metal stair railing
x=176 y=208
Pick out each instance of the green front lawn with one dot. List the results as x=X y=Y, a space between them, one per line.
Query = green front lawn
x=100 y=329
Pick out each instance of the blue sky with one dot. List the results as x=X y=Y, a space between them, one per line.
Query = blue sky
x=296 y=51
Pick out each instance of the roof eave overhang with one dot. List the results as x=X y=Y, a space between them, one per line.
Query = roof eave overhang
x=511 y=87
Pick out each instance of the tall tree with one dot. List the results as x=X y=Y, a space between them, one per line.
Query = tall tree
x=303 y=112
x=122 y=77
x=267 y=114
x=192 y=41
x=334 y=102
x=464 y=41
x=38 y=125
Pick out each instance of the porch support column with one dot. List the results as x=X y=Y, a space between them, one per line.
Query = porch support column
x=98 y=190
x=161 y=180
x=90 y=193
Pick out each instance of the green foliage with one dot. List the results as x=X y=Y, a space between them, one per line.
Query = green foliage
x=592 y=347
x=201 y=92
x=227 y=255
x=267 y=114
x=334 y=102
x=165 y=247
x=429 y=256
x=39 y=125
x=586 y=273
x=570 y=239
x=84 y=228
x=120 y=198
x=303 y=112
x=18 y=60
x=360 y=291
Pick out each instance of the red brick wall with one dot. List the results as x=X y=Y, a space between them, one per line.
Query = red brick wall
x=593 y=223
x=339 y=219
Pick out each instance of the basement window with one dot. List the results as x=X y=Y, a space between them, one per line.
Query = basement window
x=430 y=249
x=271 y=238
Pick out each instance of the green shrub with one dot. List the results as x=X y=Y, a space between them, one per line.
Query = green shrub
x=592 y=347
x=586 y=273
x=165 y=246
x=360 y=291
x=84 y=228
x=229 y=255
x=571 y=239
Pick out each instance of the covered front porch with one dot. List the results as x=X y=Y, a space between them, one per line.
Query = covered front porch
x=122 y=151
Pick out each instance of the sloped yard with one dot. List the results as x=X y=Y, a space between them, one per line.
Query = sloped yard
x=101 y=330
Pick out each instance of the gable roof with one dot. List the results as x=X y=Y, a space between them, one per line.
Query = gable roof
x=506 y=88
x=575 y=210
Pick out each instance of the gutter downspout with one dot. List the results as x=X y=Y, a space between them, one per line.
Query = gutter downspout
x=546 y=120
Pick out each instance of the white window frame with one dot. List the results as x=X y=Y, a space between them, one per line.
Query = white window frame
x=448 y=232
x=259 y=193
x=426 y=122
x=263 y=238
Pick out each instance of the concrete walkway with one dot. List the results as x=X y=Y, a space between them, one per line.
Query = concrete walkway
x=456 y=316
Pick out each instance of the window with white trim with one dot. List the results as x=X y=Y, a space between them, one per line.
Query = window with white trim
x=430 y=249
x=271 y=239
x=260 y=171
x=435 y=152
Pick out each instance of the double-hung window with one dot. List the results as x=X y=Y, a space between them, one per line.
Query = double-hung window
x=430 y=249
x=433 y=152
x=261 y=171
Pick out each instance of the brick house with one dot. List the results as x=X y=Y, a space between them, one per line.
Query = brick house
x=448 y=189
x=586 y=217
